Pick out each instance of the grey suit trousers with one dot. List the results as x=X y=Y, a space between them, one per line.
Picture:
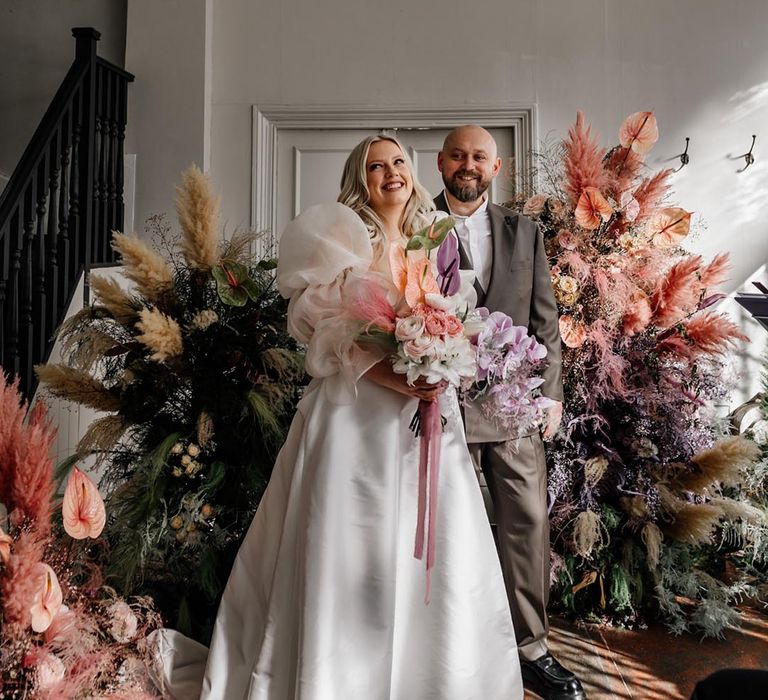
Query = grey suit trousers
x=517 y=481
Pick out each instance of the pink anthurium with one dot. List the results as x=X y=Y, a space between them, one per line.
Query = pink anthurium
x=420 y=281
x=47 y=600
x=592 y=209
x=83 y=508
x=639 y=132
x=670 y=226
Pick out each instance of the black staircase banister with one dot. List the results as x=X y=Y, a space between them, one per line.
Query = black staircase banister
x=36 y=147
x=115 y=69
x=60 y=205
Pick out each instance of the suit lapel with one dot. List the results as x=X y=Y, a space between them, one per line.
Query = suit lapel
x=503 y=229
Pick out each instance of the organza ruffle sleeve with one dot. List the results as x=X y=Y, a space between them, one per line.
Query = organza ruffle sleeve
x=319 y=250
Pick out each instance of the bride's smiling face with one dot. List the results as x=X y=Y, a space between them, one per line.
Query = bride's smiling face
x=388 y=177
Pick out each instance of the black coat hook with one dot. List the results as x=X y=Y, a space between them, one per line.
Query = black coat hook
x=684 y=157
x=748 y=157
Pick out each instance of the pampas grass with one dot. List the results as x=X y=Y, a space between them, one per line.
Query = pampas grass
x=724 y=463
x=716 y=272
x=583 y=162
x=587 y=533
x=650 y=193
x=102 y=435
x=694 y=523
x=114 y=298
x=78 y=386
x=704 y=334
x=652 y=537
x=677 y=293
x=149 y=271
x=198 y=212
x=160 y=333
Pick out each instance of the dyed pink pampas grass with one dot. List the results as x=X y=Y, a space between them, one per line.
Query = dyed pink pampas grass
x=583 y=160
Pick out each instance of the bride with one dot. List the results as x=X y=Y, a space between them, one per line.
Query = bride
x=326 y=600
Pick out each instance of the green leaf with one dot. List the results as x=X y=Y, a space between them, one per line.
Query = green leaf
x=423 y=240
x=269 y=264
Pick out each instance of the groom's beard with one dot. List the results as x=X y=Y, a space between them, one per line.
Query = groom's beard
x=466 y=191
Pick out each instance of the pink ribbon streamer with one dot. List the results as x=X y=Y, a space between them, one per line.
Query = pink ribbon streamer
x=431 y=427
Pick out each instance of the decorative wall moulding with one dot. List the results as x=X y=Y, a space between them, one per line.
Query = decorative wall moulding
x=267 y=120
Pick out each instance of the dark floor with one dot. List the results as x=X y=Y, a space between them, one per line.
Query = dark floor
x=651 y=664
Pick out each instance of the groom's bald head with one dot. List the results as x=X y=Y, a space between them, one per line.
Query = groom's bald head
x=468 y=162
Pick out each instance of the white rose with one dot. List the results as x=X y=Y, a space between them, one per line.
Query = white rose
x=124 y=622
x=50 y=671
x=568 y=284
x=177 y=449
x=193 y=450
x=760 y=432
x=409 y=328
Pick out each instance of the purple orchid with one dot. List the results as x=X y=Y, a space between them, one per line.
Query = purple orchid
x=448 y=266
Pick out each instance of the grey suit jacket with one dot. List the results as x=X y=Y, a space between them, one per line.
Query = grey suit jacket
x=520 y=286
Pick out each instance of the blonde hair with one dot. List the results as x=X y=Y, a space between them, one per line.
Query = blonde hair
x=354 y=193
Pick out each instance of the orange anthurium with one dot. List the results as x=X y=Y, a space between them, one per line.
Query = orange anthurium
x=398 y=267
x=5 y=545
x=670 y=226
x=639 y=132
x=592 y=209
x=47 y=601
x=83 y=508
x=420 y=281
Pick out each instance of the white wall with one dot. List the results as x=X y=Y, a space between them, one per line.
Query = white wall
x=701 y=65
x=36 y=51
x=168 y=49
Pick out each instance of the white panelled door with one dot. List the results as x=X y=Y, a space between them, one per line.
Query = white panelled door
x=310 y=161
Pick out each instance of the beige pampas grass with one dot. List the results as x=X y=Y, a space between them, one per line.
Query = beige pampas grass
x=160 y=333
x=198 y=212
x=102 y=435
x=587 y=533
x=594 y=469
x=652 y=538
x=204 y=429
x=693 y=523
x=78 y=386
x=86 y=346
x=740 y=510
x=149 y=271
x=724 y=463
x=113 y=298
x=239 y=246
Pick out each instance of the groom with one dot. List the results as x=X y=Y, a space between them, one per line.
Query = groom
x=506 y=252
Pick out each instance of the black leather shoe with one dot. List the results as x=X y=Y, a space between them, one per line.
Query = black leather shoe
x=547 y=678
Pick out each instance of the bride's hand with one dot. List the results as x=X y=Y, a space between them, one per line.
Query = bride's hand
x=383 y=375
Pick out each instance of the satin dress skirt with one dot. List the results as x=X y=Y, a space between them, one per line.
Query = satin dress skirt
x=326 y=600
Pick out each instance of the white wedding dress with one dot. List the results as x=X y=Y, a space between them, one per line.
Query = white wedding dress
x=326 y=600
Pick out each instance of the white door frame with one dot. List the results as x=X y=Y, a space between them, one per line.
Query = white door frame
x=267 y=120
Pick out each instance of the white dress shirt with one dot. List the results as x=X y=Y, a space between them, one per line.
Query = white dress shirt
x=474 y=232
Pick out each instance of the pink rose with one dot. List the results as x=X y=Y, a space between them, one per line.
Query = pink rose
x=573 y=332
x=409 y=328
x=535 y=205
x=435 y=323
x=565 y=239
x=453 y=326
x=419 y=347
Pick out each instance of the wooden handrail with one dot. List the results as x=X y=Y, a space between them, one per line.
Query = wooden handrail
x=60 y=205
